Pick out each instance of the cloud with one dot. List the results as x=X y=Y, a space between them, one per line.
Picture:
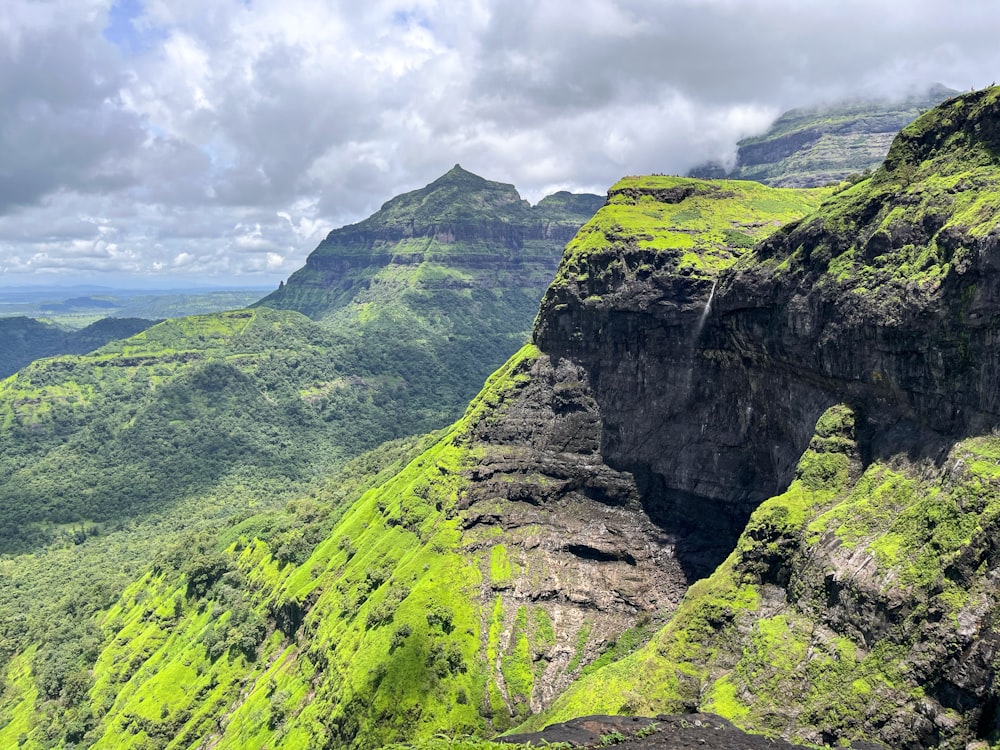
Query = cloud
x=225 y=138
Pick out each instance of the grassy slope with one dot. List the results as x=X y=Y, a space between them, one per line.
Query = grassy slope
x=187 y=426
x=389 y=648
x=52 y=596
x=704 y=224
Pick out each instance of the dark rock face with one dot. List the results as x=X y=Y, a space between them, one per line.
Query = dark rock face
x=709 y=406
x=706 y=432
x=573 y=527
x=887 y=300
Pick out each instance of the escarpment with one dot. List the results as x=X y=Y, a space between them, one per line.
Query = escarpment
x=845 y=368
x=460 y=233
x=709 y=384
x=749 y=466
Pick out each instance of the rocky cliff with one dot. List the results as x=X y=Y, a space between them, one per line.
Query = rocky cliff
x=748 y=466
x=467 y=591
x=823 y=145
x=846 y=366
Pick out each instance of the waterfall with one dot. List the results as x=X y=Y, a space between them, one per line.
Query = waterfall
x=707 y=310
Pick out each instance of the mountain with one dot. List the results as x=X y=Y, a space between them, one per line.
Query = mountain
x=824 y=145
x=845 y=368
x=461 y=237
x=23 y=340
x=405 y=343
x=747 y=466
x=437 y=288
x=164 y=440
x=464 y=592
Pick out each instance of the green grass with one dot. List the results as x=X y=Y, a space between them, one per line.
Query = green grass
x=702 y=226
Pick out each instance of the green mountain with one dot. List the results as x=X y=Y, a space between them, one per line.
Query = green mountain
x=460 y=239
x=853 y=352
x=747 y=466
x=23 y=340
x=165 y=439
x=824 y=145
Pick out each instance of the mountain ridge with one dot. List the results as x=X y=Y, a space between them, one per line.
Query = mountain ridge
x=746 y=466
x=483 y=232
x=826 y=144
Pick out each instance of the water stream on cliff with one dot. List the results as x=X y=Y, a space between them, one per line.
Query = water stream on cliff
x=706 y=311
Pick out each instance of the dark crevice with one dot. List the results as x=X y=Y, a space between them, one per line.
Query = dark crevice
x=587 y=552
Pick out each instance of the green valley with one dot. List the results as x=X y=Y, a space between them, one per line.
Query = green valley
x=165 y=439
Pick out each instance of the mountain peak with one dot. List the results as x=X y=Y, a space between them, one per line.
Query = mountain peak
x=462 y=178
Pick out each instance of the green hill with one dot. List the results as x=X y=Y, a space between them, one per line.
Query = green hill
x=23 y=340
x=746 y=467
x=166 y=438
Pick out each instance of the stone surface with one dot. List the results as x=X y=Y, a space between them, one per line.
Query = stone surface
x=670 y=732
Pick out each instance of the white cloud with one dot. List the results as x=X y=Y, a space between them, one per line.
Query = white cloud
x=285 y=118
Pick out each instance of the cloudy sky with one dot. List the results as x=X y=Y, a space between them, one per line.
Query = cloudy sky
x=219 y=140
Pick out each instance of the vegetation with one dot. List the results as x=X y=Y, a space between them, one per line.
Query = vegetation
x=23 y=340
x=377 y=625
x=691 y=227
x=151 y=447
x=361 y=613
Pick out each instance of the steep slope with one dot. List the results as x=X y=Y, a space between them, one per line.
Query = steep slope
x=23 y=340
x=866 y=587
x=196 y=423
x=468 y=590
x=810 y=147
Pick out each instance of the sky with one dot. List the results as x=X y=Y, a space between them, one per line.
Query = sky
x=218 y=141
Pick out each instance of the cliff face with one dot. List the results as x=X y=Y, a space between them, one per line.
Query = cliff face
x=809 y=147
x=848 y=367
x=472 y=588
x=464 y=232
x=681 y=411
